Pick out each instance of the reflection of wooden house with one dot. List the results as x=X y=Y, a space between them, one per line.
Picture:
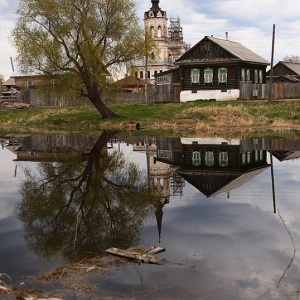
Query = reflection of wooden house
x=217 y=167
x=286 y=155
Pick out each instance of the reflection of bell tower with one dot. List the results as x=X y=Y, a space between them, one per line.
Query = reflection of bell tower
x=156 y=22
x=159 y=180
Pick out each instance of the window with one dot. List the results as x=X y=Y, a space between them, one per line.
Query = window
x=195 y=76
x=208 y=75
x=207 y=46
x=243 y=75
x=155 y=73
x=136 y=74
x=246 y=158
x=159 y=31
x=223 y=158
x=260 y=76
x=196 y=158
x=259 y=155
x=222 y=75
x=248 y=75
x=152 y=30
x=149 y=74
x=255 y=76
x=209 y=158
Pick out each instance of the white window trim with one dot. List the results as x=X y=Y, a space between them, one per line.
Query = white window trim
x=208 y=76
x=222 y=74
x=195 y=76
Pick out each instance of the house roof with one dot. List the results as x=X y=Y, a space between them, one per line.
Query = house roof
x=294 y=67
x=9 y=82
x=240 y=52
x=224 y=182
x=131 y=81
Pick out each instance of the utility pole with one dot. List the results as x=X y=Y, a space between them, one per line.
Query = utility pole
x=272 y=59
x=146 y=65
x=12 y=64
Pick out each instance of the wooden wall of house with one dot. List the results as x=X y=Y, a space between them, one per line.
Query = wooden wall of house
x=207 y=50
x=233 y=76
x=233 y=155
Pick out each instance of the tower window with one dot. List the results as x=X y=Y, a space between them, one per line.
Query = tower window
x=152 y=30
x=159 y=31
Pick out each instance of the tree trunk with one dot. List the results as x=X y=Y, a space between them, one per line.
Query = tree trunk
x=102 y=108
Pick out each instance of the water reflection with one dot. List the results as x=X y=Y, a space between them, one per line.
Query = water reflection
x=81 y=203
x=209 y=200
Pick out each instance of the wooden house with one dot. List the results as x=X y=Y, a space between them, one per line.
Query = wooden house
x=286 y=72
x=213 y=166
x=214 y=69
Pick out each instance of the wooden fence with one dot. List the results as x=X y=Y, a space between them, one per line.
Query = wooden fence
x=166 y=94
x=251 y=91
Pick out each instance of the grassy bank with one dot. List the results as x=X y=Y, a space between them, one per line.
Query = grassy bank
x=199 y=116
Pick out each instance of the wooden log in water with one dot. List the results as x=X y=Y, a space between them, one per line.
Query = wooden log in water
x=138 y=256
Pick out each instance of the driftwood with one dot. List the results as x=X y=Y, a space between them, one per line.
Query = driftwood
x=140 y=254
x=13 y=105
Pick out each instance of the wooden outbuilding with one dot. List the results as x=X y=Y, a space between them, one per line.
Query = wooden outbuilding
x=287 y=72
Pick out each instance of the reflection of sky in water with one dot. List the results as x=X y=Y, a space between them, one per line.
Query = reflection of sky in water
x=232 y=248
x=15 y=258
x=239 y=239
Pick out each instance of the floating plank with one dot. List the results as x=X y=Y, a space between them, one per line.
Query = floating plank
x=137 y=256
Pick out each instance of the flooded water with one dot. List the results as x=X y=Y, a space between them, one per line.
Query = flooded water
x=226 y=212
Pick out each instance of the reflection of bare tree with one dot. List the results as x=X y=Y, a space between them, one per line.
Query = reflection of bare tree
x=83 y=204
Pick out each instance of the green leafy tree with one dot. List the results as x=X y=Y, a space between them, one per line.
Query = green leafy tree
x=82 y=204
x=85 y=39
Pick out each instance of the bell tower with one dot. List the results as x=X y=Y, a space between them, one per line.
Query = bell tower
x=156 y=22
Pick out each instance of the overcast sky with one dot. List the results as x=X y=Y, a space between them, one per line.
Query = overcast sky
x=249 y=22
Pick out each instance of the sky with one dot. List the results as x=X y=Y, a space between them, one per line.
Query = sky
x=249 y=22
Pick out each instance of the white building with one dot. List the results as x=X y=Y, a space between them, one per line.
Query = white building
x=168 y=37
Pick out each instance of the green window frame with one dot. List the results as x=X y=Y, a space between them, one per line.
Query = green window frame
x=222 y=75
x=209 y=158
x=208 y=76
x=196 y=158
x=223 y=158
x=195 y=76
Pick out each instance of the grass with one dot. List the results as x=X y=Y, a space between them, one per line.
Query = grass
x=198 y=116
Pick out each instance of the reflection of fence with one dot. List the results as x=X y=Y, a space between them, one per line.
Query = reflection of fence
x=262 y=91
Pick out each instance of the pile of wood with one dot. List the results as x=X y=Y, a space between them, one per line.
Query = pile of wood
x=13 y=105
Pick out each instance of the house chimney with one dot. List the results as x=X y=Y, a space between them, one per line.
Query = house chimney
x=226 y=34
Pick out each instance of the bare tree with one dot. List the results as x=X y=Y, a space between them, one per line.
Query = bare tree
x=292 y=58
